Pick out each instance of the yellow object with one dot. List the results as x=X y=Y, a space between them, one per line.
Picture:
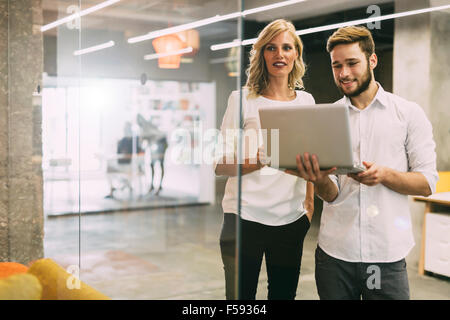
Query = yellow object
x=443 y=185
x=57 y=284
x=22 y=286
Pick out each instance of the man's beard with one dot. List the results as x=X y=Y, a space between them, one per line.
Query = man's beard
x=362 y=87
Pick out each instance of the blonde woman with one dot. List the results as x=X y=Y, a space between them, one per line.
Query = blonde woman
x=276 y=207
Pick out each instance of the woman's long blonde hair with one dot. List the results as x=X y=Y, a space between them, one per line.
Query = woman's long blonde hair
x=257 y=75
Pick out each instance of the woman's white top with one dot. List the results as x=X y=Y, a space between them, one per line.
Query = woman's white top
x=269 y=196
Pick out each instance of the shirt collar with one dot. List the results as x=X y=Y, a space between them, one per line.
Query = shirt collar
x=380 y=96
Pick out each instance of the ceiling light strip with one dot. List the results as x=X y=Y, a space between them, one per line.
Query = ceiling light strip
x=236 y=43
x=372 y=19
x=161 y=55
x=270 y=7
x=99 y=47
x=187 y=26
x=78 y=15
x=204 y=22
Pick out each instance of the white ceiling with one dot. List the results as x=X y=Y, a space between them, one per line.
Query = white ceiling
x=137 y=17
x=161 y=13
x=180 y=11
x=309 y=8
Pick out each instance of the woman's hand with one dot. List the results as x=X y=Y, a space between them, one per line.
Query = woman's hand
x=248 y=166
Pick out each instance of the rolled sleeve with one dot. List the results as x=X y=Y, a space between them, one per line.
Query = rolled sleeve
x=420 y=146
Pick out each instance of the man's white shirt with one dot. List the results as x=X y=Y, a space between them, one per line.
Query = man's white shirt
x=373 y=224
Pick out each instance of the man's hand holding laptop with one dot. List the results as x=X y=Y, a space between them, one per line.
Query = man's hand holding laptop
x=308 y=169
x=372 y=176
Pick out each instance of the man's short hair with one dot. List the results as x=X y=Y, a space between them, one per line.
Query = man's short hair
x=352 y=34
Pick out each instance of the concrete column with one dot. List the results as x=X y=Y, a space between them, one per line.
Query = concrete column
x=440 y=85
x=421 y=67
x=4 y=243
x=21 y=183
x=421 y=73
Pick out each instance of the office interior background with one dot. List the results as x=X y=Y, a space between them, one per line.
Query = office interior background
x=76 y=77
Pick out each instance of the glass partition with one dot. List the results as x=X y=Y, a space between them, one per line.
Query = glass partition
x=131 y=123
x=130 y=149
x=61 y=145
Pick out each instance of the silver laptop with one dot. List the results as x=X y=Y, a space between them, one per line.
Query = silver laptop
x=321 y=129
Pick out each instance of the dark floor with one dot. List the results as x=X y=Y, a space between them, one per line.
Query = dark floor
x=173 y=253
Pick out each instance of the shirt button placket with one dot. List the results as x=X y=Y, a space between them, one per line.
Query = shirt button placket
x=363 y=188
